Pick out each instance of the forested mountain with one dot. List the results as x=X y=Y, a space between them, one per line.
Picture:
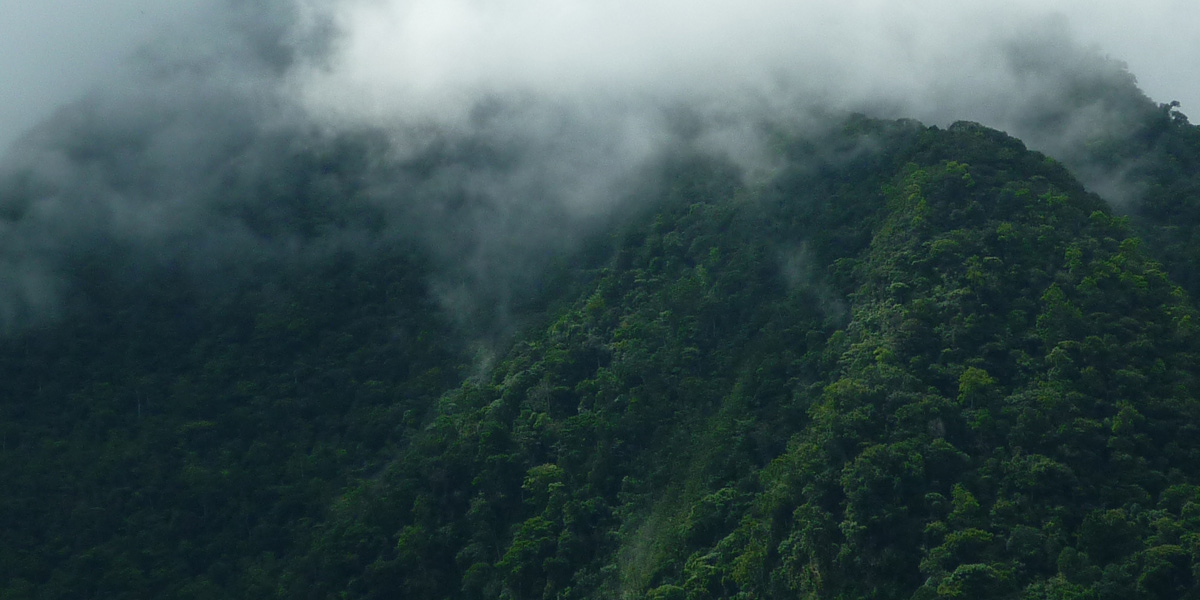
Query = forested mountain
x=905 y=362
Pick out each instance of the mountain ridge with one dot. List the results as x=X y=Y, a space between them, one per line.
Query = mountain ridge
x=905 y=364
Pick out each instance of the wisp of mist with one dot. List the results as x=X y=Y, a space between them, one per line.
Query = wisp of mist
x=494 y=134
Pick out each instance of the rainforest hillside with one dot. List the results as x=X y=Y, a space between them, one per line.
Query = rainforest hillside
x=901 y=362
x=938 y=370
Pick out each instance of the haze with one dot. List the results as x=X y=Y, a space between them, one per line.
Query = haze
x=493 y=132
x=51 y=51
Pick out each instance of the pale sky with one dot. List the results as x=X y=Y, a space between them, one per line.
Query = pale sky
x=52 y=51
x=1157 y=38
x=583 y=85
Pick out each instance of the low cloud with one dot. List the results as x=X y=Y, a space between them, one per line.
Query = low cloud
x=422 y=60
x=494 y=134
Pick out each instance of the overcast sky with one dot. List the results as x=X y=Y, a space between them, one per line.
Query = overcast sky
x=51 y=51
x=1156 y=37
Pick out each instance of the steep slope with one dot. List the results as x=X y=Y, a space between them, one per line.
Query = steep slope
x=532 y=480
x=918 y=362
x=1013 y=412
x=1141 y=156
x=1165 y=168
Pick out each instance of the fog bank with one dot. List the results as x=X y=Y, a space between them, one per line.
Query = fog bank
x=242 y=135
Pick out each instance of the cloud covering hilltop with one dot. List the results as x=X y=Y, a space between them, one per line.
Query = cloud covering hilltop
x=52 y=51
x=494 y=133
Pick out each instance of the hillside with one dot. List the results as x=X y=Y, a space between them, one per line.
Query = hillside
x=991 y=394
x=909 y=362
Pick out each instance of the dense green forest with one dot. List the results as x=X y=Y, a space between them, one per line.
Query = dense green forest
x=910 y=362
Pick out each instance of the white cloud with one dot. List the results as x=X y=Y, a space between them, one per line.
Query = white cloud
x=403 y=59
x=409 y=59
x=592 y=91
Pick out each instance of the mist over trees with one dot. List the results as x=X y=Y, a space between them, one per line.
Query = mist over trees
x=297 y=306
x=207 y=148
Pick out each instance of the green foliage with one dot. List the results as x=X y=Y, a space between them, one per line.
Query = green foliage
x=915 y=363
x=182 y=450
